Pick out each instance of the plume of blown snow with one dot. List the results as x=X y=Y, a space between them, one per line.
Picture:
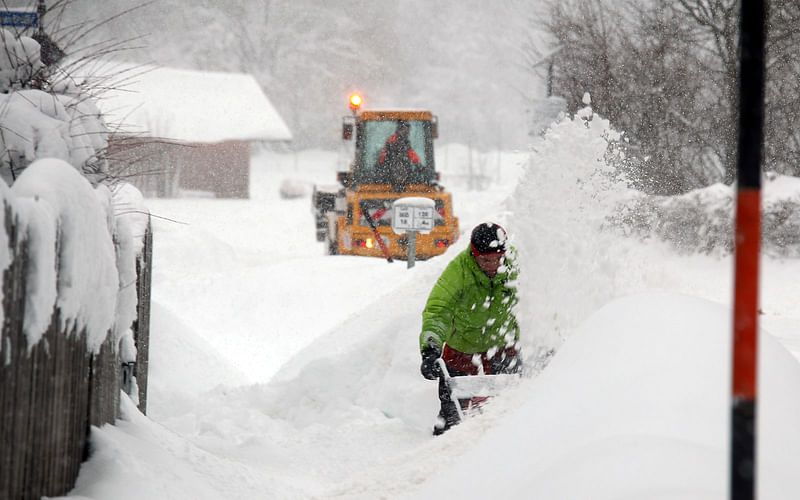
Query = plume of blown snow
x=593 y=264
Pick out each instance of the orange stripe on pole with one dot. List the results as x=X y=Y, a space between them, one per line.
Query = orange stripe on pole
x=745 y=315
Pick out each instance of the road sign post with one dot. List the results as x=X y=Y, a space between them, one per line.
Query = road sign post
x=412 y=215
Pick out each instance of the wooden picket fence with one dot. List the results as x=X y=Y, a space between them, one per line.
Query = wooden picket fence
x=52 y=392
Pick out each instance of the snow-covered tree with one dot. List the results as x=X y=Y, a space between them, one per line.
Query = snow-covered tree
x=456 y=58
x=665 y=72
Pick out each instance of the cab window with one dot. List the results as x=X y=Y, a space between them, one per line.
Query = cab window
x=376 y=133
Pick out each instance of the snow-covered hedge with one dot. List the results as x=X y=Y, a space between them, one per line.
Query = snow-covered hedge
x=702 y=220
x=698 y=221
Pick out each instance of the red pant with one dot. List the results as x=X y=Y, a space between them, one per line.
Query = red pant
x=462 y=361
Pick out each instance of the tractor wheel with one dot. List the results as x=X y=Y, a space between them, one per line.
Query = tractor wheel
x=332 y=237
x=333 y=247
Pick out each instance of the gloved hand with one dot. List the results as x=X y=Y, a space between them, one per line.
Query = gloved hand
x=429 y=367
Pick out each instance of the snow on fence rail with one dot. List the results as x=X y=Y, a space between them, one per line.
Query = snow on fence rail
x=75 y=262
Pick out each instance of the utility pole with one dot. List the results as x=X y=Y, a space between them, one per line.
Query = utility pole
x=41 y=10
x=51 y=53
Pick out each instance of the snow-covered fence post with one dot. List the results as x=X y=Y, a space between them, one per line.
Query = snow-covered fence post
x=105 y=380
x=44 y=386
x=141 y=326
x=68 y=310
x=67 y=262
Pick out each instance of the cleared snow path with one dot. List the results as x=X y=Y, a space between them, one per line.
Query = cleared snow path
x=317 y=354
x=278 y=372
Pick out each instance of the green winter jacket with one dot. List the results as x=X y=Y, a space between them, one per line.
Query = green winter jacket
x=469 y=311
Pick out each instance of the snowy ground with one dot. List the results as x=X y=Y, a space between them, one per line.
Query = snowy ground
x=278 y=372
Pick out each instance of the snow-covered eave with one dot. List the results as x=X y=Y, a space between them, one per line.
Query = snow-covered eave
x=187 y=105
x=120 y=135
x=134 y=129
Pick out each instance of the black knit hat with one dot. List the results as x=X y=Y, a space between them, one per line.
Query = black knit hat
x=488 y=238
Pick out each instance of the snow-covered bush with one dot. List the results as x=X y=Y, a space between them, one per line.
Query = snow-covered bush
x=698 y=221
x=294 y=188
x=701 y=221
x=781 y=227
x=20 y=60
x=83 y=231
x=54 y=123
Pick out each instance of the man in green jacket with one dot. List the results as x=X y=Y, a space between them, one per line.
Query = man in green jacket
x=468 y=320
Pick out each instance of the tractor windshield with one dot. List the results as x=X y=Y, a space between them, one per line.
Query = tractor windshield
x=395 y=152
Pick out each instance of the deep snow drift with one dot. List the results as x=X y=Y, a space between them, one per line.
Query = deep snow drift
x=279 y=372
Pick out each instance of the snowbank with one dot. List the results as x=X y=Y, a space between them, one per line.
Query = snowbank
x=634 y=405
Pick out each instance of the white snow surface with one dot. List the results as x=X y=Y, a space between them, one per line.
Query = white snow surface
x=278 y=372
x=415 y=202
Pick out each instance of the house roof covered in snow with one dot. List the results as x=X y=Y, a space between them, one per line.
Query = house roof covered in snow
x=186 y=105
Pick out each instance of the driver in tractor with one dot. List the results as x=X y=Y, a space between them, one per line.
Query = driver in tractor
x=468 y=320
x=398 y=160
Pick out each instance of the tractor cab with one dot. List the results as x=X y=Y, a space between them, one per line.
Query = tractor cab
x=394 y=148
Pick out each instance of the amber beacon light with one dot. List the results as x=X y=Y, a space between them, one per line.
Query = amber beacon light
x=355 y=102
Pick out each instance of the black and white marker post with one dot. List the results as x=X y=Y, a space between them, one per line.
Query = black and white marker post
x=743 y=464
